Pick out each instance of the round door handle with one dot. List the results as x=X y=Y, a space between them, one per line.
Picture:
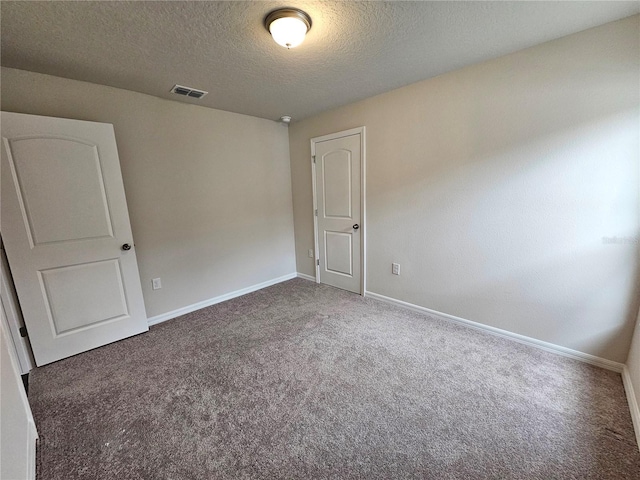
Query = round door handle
x=356 y=226
x=126 y=246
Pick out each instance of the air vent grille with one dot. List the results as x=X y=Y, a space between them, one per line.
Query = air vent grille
x=188 y=91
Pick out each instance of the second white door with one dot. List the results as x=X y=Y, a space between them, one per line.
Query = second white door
x=338 y=163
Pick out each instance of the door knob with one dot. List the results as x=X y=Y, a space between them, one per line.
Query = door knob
x=356 y=226
x=126 y=246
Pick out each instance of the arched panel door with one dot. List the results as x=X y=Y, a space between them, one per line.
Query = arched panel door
x=65 y=225
x=338 y=164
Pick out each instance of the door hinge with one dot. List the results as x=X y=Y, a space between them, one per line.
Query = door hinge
x=23 y=332
x=318 y=262
x=314 y=158
x=316 y=212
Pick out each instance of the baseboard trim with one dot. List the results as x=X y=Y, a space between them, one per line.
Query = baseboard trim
x=32 y=439
x=222 y=298
x=306 y=277
x=549 y=347
x=633 y=402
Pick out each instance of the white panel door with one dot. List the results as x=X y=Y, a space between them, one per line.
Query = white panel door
x=338 y=171
x=67 y=236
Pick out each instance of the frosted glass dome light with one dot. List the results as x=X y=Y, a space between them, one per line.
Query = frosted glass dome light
x=288 y=31
x=288 y=26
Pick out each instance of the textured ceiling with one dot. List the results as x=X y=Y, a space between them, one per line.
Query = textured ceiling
x=354 y=49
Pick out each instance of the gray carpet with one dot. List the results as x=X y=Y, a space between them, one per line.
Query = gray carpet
x=301 y=381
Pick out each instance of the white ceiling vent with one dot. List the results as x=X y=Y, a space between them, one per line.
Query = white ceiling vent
x=188 y=91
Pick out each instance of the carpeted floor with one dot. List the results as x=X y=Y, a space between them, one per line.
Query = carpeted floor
x=301 y=381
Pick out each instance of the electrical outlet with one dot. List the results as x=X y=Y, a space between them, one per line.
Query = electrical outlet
x=395 y=268
x=156 y=283
x=310 y=253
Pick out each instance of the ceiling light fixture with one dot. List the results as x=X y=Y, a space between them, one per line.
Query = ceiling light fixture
x=288 y=26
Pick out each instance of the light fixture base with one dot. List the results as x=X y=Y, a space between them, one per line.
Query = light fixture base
x=287 y=12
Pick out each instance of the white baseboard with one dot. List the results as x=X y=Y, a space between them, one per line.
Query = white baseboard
x=549 y=347
x=32 y=439
x=633 y=402
x=306 y=277
x=222 y=298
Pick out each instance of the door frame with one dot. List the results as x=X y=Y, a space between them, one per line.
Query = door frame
x=13 y=316
x=363 y=203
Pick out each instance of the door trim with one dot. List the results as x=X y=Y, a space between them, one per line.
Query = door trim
x=13 y=316
x=363 y=201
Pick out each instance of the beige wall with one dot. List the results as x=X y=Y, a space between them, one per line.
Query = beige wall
x=209 y=192
x=493 y=186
